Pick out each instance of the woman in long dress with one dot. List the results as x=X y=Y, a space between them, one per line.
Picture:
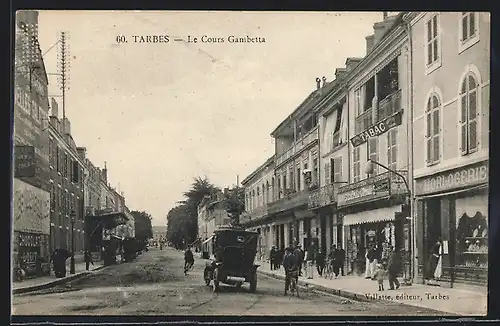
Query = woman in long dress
x=432 y=262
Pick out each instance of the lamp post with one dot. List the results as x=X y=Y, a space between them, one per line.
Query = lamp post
x=369 y=170
x=72 y=263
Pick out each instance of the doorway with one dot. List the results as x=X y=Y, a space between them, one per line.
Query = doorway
x=322 y=230
x=432 y=223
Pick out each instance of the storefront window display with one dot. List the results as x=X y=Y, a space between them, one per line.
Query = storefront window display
x=472 y=232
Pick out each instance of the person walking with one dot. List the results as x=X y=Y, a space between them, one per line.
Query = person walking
x=379 y=276
x=335 y=260
x=320 y=262
x=188 y=260
x=369 y=260
x=310 y=261
x=340 y=258
x=272 y=258
x=393 y=268
x=88 y=259
x=299 y=253
x=290 y=265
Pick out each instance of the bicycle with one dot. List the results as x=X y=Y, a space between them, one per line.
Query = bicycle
x=328 y=272
x=294 y=280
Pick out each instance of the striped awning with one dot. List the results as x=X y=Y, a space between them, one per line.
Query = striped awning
x=370 y=216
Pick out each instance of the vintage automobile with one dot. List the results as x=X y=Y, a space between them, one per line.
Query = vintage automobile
x=232 y=263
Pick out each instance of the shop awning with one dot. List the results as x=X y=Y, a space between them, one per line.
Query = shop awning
x=375 y=215
x=108 y=221
x=207 y=240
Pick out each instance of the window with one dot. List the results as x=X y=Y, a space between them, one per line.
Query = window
x=433 y=42
x=372 y=153
x=358 y=101
x=315 y=176
x=299 y=179
x=58 y=165
x=337 y=169
x=327 y=173
x=469 y=115
x=468 y=29
x=51 y=152
x=433 y=129
x=392 y=149
x=356 y=164
x=53 y=197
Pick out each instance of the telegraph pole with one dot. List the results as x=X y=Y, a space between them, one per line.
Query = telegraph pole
x=63 y=67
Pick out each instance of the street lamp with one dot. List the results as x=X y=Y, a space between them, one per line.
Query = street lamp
x=72 y=263
x=369 y=170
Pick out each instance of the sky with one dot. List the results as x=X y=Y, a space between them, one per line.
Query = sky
x=162 y=114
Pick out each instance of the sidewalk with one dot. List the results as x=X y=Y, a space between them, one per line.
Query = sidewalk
x=460 y=301
x=43 y=282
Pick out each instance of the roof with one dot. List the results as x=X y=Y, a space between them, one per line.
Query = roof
x=313 y=98
x=257 y=170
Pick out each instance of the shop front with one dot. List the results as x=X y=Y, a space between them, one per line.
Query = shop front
x=31 y=215
x=374 y=215
x=323 y=203
x=452 y=215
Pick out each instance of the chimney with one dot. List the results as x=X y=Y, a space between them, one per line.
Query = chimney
x=351 y=62
x=67 y=126
x=339 y=73
x=82 y=152
x=104 y=173
x=379 y=30
x=384 y=14
x=55 y=107
x=369 y=43
x=318 y=83
x=324 y=81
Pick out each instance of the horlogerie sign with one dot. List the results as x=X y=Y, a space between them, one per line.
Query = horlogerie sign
x=462 y=177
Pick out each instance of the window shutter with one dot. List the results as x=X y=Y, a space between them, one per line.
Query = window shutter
x=463 y=125
x=333 y=168
x=327 y=173
x=339 y=169
x=472 y=124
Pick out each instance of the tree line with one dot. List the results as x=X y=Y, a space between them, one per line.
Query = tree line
x=182 y=220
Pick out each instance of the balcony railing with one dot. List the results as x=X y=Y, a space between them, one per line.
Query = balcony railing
x=323 y=196
x=390 y=105
x=385 y=108
x=363 y=121
x=290 y=201
x=299 y=145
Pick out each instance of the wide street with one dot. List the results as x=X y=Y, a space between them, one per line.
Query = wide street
x=155 y=284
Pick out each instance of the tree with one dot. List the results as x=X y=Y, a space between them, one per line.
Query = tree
x=234 y=204
x=143 y=227
x=182 y=220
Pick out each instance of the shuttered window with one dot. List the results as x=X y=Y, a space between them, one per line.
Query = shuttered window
x=327 y=173
x=338 y=169
x=372 y=149
x=433 y=129
x=469 y=141
x=392 y=149
x=356 y=164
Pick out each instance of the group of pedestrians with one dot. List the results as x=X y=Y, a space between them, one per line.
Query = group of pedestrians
x=306 y=260
x=377 y=267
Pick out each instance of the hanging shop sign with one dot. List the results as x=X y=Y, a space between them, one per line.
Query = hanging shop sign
x=366 y=190
x=468 y=176
x=378 y=129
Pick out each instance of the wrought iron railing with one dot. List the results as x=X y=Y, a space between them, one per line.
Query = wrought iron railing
x=298 y=145
x=323 y=196
x=389 y=105
x=290 y=201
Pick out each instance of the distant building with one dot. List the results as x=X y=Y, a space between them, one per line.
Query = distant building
x=211 y=214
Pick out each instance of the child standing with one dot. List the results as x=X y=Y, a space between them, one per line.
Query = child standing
x=379 y=276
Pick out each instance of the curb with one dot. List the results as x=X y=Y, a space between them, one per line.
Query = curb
x=340 y=293
x=55 y=282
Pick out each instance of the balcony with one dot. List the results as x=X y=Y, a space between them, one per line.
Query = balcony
x=363 y=121
x=374 y=188
x=323 y=196
x=255 y=214
x=290 y=201
x=385 y=108
x=389 y=105
x=307 y=139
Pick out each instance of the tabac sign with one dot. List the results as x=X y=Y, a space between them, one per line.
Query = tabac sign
x=377 y=129
x=467 y=176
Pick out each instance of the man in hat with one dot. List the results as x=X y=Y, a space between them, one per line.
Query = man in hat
x=299 y=253
x=272 y=258
x=290 y=265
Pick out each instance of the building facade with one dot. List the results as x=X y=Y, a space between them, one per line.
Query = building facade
x=333 y=140
x=259 y=192
x=211 y=214
x=451 y=69
x=67 y=171
x=374 y=206
x=31 y=197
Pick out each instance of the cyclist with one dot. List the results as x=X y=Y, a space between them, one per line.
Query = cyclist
x=188 y=260
x=290 y=265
